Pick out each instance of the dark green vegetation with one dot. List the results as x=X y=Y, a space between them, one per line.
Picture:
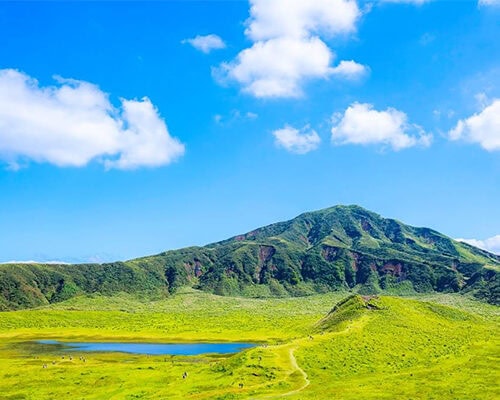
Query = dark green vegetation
x=339 y=248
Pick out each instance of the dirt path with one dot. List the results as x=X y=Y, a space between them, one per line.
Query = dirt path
x=296 y=366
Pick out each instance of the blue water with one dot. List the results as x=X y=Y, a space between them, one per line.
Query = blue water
x=177 y=349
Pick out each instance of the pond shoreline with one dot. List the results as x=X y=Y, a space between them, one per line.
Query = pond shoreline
x=144 y=348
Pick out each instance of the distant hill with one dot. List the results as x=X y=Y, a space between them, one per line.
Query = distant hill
x=338 y=248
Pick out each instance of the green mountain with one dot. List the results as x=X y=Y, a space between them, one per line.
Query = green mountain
x=338 y=248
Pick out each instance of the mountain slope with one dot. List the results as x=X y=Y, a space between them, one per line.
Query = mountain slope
x=338 y=248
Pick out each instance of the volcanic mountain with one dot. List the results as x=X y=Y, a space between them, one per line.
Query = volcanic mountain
x=338 y=248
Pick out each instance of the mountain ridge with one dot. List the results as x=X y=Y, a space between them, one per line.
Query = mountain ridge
x=344 y=247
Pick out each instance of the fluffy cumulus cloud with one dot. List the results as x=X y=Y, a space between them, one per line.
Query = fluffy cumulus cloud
x=491 y=244
x=363 y=125
x=287 y=48
x=297 y=141
x=482 y=128
x=298 y=18
x=73 y=123
x=206 y=43
x=275 y=68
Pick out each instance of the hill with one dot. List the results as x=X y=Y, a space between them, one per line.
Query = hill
x=338 y=248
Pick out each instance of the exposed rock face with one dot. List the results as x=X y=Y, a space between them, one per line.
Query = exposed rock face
x=266 y=253
x=392 y=269
x=330 y=253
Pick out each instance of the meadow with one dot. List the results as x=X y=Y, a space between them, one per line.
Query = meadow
x=434 y=347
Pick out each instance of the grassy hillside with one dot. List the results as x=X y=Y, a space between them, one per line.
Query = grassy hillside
x=319 y=347
x=31 y=285
x=339 y=248
x=390 y=348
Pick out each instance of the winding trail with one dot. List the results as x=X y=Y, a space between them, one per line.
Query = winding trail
x=282 y=351
x=296 y=366
x=294 y=345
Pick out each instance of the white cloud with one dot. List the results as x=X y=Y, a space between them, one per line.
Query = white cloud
x=277 y=67
x=299 y=18
x=482 y=128
x=287 y=49
x=361 y=124
x=489 y=3
x=297 y=141
x=206 y=43
x=491 y=244
x=349 y=70
x=73 y=123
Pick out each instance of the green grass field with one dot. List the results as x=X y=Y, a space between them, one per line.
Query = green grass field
x=435 y=347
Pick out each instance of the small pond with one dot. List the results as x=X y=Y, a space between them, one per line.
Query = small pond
x=177 y=349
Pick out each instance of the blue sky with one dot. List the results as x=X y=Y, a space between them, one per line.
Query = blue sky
x=130 y=128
